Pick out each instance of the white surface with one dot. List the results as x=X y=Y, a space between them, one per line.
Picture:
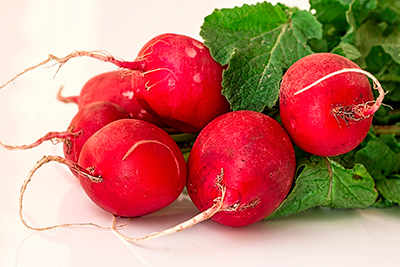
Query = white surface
x=28 y=108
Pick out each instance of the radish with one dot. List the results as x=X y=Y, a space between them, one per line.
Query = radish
x=140 y=166
x=240 y=169
x=250 y=155
x=87 y=121
x=115 y=87
x=84 y=124
x=180 y=81
x=326 y=104
x=129 y=168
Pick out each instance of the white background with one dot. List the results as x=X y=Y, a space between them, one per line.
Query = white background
x=29 y=31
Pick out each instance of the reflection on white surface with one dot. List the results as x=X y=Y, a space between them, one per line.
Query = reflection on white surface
x=28 y=108
x=320 y=237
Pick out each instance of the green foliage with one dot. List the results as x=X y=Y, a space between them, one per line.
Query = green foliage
x=367 y=32
x=325 y=183
x=257 y=48
x=259 y=42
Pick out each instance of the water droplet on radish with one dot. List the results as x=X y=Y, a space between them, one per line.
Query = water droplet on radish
x=197 y=78
x=190 y=52
x=198 y=45
x=128 y=94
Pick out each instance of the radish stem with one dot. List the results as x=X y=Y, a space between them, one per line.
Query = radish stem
x=100 y=55
x=55 y=137
x=67 y=99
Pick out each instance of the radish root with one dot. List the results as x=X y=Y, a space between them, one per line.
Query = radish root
x=149 y=87
x=354 y=112
x=205 y=215
x=44 y=160
x=54 y=137
x=100 y=55
x=66 y=99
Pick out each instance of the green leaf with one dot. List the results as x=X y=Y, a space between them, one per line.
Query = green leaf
x=324 y=182
x=347 y=50
x=390 y=140
x=389 y=188
x=382 y=203
x=372 y=41
x=393 y=50
x=227 y=29
x=371 y=34
x=258 y=42
x=332 y=15
x=377 y=62
x=252 y=79
x=356 y=15
x=379 y=158
x=359 y=11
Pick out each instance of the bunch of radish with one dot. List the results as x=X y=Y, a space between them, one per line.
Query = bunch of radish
x=242 y=163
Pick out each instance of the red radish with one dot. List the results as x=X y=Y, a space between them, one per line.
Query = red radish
x=240 y=169
x=84 y=124
x=250 y=155
x=115 y=87
x=140 y=166
x=129 y=168
x=88 y=120
x=326 y=104
x=178 y=82
x=181 y=82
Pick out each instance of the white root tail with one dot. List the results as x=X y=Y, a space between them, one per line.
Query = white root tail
x=54 y=137
x=66 y=99
x=367 y=108
x=44 y=160
x=205 y=215
x=99 y=55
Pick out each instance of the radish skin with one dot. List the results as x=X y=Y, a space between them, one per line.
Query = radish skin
x=362 y=110
x=255 y=159
x=114 y=87
x=180 y=83
x=91 y=118
x=129 y=168
x=326 y=104
x=240 y=169
x=142 y=168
